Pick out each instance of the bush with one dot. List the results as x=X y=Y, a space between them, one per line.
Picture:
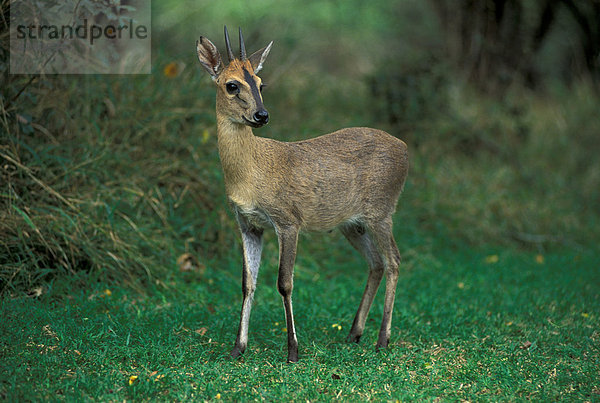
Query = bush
x=119 y=176
x=99 y=174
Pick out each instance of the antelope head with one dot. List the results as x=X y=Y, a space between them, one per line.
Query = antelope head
x=239 y=97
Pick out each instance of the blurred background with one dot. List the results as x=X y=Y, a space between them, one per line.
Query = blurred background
x=498 y=101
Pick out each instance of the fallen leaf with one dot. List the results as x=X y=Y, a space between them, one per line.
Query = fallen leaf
x=156 y=376
x=202 y=331
x=22 y=119
x=49 y=332
x=132 y=379
x=188 y=262
x=525 y=345
x=35 y=292
x=111 y=111
x=171 y=70
x=491 y=259
x=205 y=136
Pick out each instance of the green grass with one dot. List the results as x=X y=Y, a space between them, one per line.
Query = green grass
x=487 y=324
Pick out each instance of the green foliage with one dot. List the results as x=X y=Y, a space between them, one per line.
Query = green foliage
x=102 y=184
x=496 y=325
x=120 y=175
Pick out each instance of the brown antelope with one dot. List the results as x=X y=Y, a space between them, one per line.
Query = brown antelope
x=350 y=179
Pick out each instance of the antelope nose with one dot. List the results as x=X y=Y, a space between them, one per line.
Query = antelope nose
x=262 y=117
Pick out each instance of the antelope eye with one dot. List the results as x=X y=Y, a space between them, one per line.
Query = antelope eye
x=232 y=88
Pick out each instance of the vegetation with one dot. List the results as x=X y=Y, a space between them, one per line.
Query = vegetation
x=120 y=262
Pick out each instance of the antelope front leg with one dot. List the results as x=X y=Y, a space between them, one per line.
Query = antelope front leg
x=252 y=244
x=288 y=240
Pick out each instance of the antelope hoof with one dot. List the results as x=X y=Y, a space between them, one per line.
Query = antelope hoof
x=353 y=338
x=237 y=351
x=293 y=353
x=382 y=344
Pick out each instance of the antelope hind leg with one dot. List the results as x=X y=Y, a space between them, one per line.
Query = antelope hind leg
x=386 y=245
x=363 y=243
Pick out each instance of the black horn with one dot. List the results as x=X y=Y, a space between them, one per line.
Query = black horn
x=229 y=51
x=242 y=47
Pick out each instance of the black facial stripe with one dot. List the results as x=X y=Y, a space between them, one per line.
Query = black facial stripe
x=253 y=89
x=241 y=100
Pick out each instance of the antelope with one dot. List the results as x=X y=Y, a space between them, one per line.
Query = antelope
x=350 y=179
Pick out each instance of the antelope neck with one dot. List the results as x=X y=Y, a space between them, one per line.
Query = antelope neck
x=236 y=144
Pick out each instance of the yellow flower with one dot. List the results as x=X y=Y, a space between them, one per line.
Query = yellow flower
x=132 y=379
x=539 y=259
x=171 y=70
x=491 y=259
x=336 y=326
x=218 y=396
x=107 y=293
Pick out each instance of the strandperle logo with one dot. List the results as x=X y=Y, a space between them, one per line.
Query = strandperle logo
x=80 y=37
x=93 y=31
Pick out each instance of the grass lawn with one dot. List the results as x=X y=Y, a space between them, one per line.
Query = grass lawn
x=486 y=324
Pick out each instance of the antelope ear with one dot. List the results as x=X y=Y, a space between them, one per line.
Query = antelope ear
x=209 y=57
x=258 y=58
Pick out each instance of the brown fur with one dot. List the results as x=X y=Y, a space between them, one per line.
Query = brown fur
x=350 y=178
